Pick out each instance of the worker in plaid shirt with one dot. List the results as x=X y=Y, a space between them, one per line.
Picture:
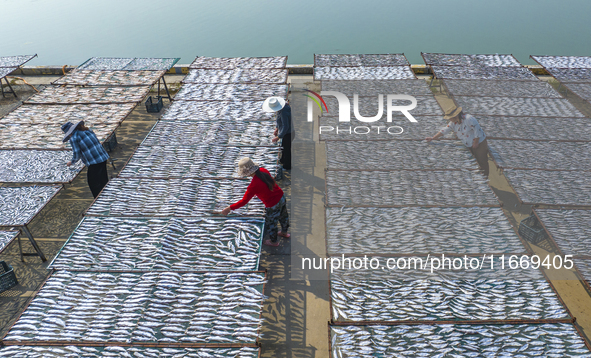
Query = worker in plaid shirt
x=86 y=147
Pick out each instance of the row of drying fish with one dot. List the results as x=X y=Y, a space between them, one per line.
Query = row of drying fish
x=14 y=61
x=230 y=92
x=117 y=352
x=174 y=197
x=360 y=297
x=5 y=71
x=483 y=73
x=74 y=94
x=363 y=73
x=398 y=155
x=369 y=107
x=584 y=267
x=400 y=128
x=238 y=75
x=42 y=136
x=217 y=111
x=570 y=229
x=500 y=88
x=6 y=238
x=59 y=114
x=558 y=340
x=403 y=188
x=18 y=205
x=564 y=61
x=548 y=155
x=196 y=162
x=128 y=64
x=372 y=88
x=231 y=63
x=582 y=90
x=110 y=78
x=538 y=128
x=37 y=166
x=190 y=133
x=420 y=230
x=551 y=187
x=357 y=60
x=507 y=106
x=165 y=244
x=569 y=75
x=144 y=307
x=443 y=59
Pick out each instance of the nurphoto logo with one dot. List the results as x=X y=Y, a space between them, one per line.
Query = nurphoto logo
x=344 y=112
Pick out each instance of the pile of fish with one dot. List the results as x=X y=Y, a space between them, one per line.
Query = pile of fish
x=406 y=295
x=217 y=111
x=420 y=230
x=408 y=188
x=106 y=95
x=426 y=126
x=164 y=244
x=360 y=60
x=500 y=88
x=164 y=307
x=15 y=61
x=128 y=64
x=363 y=73
x=537 y=128
x=5 y=71
x=571 y=75
x=376 y=87
x=6 y=238
x=398 y=155
x=188 y=133
x=19 y=205
x=268 y=76
x=110 y=78
x=117 y=352
x=556 y=340
x=551 y=187
x=584 y=267
x=549 y=154
x=570 y=229
x=369 y=107
x=174 y=197
x=231 y=63
x=564 y=61
x=196 y=162
x=230 y=92
x=37 y=166
x=42 y=136
x=582 y=90
x=57 y=115
x=507 y=106
x=443 y=59
x=483 y=73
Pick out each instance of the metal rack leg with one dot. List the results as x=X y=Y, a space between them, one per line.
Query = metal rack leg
x=166 y=88
x=20 y=247
x=34 y=243
x=9 y=86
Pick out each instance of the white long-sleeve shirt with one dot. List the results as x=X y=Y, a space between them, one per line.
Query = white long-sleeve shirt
x=466 y=131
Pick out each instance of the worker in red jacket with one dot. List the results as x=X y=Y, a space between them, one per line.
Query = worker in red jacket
x=264 y=187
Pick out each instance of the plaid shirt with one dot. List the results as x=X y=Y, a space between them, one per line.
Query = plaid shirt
x=87 y=147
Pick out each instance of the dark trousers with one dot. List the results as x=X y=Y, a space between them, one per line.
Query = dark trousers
x=481 y=155
x=97 y=177
x=286 y=151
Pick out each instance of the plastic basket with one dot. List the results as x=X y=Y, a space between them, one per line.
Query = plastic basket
x=152 y=107
x=531 y=230
x=7 y=277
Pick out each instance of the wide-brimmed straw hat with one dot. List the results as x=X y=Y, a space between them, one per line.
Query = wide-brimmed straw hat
x=68 y=128
x=246 y=167
x=452 y=112
x=273 y=104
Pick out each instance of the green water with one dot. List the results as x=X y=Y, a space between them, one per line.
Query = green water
x=70 y=31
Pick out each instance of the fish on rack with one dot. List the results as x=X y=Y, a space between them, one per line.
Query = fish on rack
x=19 y=205
x=37 y=166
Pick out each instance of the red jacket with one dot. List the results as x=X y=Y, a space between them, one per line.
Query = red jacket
x=261 y=190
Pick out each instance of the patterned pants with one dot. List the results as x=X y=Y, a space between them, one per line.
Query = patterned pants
x=274 y=214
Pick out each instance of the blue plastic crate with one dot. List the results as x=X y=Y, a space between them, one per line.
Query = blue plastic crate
x=152 y=107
